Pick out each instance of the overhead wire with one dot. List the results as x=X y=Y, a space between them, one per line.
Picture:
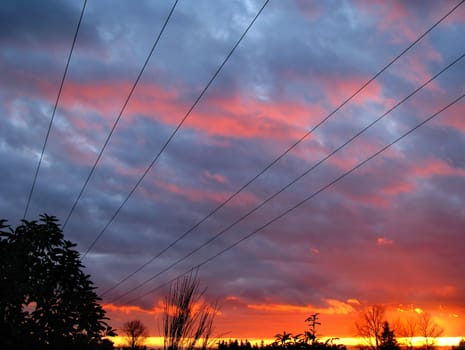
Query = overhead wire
x=115 y=124
x=271 y=164
x=176 y=129
x=314 y=194
x=36 y=174
x=306 y=172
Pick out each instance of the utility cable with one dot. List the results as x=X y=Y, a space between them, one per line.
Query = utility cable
x=54 y=110
x=313 y=167
x=120 y=114
x=175 y=130
x=339 y=178
x=283 y=154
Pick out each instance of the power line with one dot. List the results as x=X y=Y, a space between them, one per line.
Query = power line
x=120 y=115
x=313 y=167
x=176 y=130
x=339 y=178
x=54 y=110
x=282 y=155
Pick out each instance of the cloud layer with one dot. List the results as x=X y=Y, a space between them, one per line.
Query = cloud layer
x=391 y=232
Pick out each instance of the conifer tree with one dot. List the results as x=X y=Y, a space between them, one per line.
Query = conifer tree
x=388 y=340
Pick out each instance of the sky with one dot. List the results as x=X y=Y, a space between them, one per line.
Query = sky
x=258 y=119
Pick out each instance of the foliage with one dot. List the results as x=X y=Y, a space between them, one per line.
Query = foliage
x=307 y=340
x=283 y=338
x=135 y=332
x=288 y=345
x=46 y=300
x=187 y=322
x=388 y=339
x=312 y=321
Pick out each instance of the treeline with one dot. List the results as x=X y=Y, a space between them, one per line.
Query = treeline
x=246 y=345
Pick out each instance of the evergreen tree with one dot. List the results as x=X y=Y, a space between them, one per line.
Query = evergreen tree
x=388 y=340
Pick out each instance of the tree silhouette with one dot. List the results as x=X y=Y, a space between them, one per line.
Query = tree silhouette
x=428 y=329
x=460 y=346
x=46 y=300
x=312 y=321
x=388 y=340
x=408 y=330
x=283 y=338
x=370 y=325
x=135 y=332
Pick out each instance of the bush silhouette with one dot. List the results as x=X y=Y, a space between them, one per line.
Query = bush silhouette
x=46 y=300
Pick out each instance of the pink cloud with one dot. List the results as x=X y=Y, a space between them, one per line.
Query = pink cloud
x=338 y=89
x=415 y=67
x=242 y=117
x=391 y=18
x=215 y=177
x=196 y=194
x=310 y=10
x=384 y=241
x=434 y=167
x=398 y=188
x=453 y=117
x=235 y=116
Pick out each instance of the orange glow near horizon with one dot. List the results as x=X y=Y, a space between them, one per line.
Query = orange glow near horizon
x=348 y=341
x=238 y=320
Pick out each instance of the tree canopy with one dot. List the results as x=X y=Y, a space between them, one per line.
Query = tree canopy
x=135 y=332
x=46 y=300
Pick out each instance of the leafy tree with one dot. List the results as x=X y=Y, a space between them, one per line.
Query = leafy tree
x=388 y=340
x=46 y=300
x=135 y=332
x=187 y=321
x=283 y=338
x=312 y=321
x=370 y=325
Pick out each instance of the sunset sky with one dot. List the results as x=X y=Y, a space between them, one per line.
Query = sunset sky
x=391 y=232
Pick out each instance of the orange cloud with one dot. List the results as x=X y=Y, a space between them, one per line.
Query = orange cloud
x=333 y=307
x=131 y=309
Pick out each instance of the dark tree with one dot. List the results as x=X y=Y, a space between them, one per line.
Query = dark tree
x=312 y=321
x=460 y=346
x=369 y=325
x=46 y=300
x=283 y=339
x=428 y=329
x=135 y=332
x=388 y=339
